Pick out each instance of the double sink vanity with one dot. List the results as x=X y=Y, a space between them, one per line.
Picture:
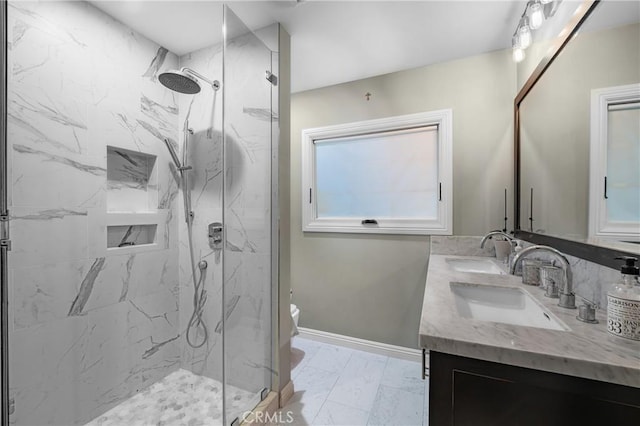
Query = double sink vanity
x=501 y=352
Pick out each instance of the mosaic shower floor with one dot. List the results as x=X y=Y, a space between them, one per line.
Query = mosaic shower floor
x=181 y=398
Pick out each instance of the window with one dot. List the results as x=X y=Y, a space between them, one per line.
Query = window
x=614 y=188
x=391 y=175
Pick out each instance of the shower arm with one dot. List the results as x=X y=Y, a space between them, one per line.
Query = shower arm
x=215 y=83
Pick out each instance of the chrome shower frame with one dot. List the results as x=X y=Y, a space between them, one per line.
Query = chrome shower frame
x=5 y=242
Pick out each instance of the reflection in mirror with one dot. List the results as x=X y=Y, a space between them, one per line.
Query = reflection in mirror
x=614 y=177
x=557 y=14
x=556 y=131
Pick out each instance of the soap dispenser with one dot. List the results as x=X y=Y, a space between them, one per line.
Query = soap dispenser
x=623 y=302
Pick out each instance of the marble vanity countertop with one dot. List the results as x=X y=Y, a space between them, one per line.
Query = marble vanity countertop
x=587 y=350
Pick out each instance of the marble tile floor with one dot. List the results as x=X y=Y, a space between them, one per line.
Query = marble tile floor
x=180 y=399
x=341 y=386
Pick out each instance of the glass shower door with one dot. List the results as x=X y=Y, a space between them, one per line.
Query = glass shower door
x=248 y=219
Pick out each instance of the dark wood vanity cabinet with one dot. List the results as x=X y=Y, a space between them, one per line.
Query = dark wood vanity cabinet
x=466 y=391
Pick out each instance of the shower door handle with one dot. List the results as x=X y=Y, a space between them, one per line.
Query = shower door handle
x=215 y=235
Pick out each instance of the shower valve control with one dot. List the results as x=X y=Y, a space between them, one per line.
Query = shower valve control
x=215 y=235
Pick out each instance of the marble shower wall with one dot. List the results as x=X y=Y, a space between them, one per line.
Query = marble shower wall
x=89 y=326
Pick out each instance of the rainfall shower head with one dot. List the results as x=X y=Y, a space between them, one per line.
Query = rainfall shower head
x=184 y=81
x=179 y=81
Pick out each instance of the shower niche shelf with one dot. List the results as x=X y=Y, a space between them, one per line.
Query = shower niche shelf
x=132 y=181
x=132 y=232
x=133 y=220
x=130 y=235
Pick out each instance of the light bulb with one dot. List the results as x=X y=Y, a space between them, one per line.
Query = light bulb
x=518 y=54
x=524 y=36
x=535 y=15
x=515 y=42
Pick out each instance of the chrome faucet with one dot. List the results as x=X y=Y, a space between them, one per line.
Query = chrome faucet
x=492 y=233
x=567 y=296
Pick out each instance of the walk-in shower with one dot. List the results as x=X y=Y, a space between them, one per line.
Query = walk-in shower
x=125 y=298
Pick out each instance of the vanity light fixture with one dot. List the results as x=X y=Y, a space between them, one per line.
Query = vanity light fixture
x=534 y=14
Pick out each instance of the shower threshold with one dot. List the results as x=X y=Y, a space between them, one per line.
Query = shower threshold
x=181 y=398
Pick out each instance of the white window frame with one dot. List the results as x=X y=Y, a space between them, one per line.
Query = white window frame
x=599 y=225
x=442 y=225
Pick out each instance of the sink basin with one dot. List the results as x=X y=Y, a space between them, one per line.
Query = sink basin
x=507 y=305
x=482 y=266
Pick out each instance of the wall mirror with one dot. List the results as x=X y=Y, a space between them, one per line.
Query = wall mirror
x=577 y=137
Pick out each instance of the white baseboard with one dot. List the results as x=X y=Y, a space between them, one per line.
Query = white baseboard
x=361 y=344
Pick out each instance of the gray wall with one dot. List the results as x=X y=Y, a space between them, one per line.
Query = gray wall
x=371 y=286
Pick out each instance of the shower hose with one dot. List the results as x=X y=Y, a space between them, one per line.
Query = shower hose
x=199 y=293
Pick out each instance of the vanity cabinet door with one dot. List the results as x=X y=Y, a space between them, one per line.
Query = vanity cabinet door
x=466 y=391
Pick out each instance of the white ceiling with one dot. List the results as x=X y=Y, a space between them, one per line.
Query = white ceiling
x=336 y=41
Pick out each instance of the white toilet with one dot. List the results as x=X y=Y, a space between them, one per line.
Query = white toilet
x=295 y=315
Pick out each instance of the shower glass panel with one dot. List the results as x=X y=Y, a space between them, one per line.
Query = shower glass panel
x=248 y=217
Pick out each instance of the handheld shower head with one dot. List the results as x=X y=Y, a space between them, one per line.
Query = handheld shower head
x=184 y=81
x=174 y=156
